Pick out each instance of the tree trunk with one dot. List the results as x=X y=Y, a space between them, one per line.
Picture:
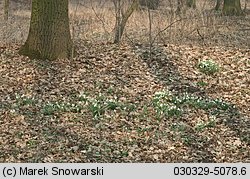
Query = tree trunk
x=245 y=6
x=217 y=6
x=179 y=6
x=232 y=8
x=151 y=4
x=182 y=5
x=6 y=9
x=122 y=19
x=49 y=33
x=191 y=3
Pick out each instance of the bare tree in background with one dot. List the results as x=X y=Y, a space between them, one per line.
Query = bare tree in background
x=245 y=6
x=232 y=8
x=179 y=5
x=191 y=3
x=150 y=33
x=122 y=17
x=150 y=4
x=183 y=4
x=6 y=9
x=218 y=4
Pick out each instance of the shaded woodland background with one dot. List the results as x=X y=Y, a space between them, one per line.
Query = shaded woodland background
x=96 y=19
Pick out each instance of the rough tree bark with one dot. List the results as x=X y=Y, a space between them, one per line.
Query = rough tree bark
x=232 y=8
x=49 y=33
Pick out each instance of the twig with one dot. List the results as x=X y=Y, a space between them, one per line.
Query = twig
x=150 y=33
x=103 y=23
x=73 y=30
x=161 y=31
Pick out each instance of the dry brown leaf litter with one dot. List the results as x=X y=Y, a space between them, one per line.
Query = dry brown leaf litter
x=27 y=135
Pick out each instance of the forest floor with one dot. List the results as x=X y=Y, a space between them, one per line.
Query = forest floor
x=103 y=106
x=113 y=104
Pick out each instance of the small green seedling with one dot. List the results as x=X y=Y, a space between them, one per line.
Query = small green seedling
x=202 y=126
x=202 y=83
x=208 y=67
